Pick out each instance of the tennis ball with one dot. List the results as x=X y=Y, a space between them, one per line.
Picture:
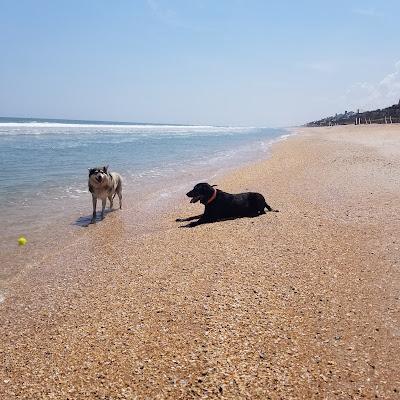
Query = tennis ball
x=22 y=241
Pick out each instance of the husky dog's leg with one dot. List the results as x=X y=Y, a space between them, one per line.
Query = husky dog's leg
x=118 y=190
x=110 y=198
x=120 y=199
x=94 y=201
x=103 y=206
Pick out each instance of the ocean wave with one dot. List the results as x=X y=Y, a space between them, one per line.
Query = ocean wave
x=268 y=143
x=77 y=125
x=15 y=128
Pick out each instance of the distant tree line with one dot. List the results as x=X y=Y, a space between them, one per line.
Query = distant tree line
x=389 y=115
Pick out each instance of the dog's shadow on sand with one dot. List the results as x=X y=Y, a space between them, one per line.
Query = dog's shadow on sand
x=194 y=223
x=85 y=220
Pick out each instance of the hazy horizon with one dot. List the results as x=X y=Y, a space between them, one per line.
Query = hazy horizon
x=232 y=63
x=93 y=121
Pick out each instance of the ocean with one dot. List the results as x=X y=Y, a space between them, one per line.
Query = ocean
x=44 y=169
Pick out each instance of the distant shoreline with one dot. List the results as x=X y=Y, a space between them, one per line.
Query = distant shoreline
x=388 y=115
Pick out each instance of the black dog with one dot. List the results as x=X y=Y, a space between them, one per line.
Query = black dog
x=220 y=205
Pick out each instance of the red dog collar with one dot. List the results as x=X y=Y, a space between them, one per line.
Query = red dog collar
x=212 y=198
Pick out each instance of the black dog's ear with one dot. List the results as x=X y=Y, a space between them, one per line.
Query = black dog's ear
x=213 y=185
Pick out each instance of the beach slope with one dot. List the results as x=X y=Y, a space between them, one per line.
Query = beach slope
x=298 y=304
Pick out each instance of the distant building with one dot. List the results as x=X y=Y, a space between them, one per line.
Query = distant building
x=389 y=115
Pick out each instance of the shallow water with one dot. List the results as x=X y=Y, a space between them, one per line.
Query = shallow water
x=43 y=185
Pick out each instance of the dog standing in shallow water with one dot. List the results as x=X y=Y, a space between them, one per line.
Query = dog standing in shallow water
x=103 y=185
x=220 y=205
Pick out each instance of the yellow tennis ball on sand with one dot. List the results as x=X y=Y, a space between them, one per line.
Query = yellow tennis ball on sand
x=22 y=241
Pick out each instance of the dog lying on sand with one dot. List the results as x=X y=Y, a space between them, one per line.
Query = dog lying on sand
x=220 y=205
x=104 y=184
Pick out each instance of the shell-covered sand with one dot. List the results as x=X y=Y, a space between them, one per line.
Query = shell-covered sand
x=301 y=304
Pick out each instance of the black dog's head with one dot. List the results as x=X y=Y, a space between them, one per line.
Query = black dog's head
x=98 y=174
x=201 y=192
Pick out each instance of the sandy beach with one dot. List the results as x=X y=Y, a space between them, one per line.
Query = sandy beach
x=301 y=304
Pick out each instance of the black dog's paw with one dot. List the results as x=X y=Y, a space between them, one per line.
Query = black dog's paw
x=189 y=225
x=179 y=220
x=195 y=223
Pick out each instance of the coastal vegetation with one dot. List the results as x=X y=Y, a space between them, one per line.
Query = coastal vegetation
x=388 y=115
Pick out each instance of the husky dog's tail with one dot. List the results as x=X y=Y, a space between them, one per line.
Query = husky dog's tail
x=118 y=189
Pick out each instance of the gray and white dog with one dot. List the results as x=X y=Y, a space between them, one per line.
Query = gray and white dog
x=103 y=185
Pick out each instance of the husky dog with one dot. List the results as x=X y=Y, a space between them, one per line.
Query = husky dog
x=103 y=185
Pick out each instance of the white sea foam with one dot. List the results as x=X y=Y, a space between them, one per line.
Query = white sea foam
x=267 y=144
x=72 y=125
x=37 y=128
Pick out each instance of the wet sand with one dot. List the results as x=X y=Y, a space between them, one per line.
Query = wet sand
x=298 y=304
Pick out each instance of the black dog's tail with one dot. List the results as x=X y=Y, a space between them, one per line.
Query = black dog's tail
x=270 y=208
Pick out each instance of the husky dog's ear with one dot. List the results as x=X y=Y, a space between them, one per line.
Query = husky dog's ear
x=91 y=171
x=105 y=168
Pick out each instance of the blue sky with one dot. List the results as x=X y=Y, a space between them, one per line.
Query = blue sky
x=237 y=62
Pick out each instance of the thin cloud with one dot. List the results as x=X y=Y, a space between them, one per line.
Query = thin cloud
x=167 y=15
x=367 y=95
x=367 y=12
x=174 y=17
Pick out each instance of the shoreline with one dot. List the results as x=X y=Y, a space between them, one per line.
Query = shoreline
x=299 y=304
x=52 y=231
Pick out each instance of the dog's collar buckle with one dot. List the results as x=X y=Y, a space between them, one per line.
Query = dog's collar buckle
x=212 y=198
